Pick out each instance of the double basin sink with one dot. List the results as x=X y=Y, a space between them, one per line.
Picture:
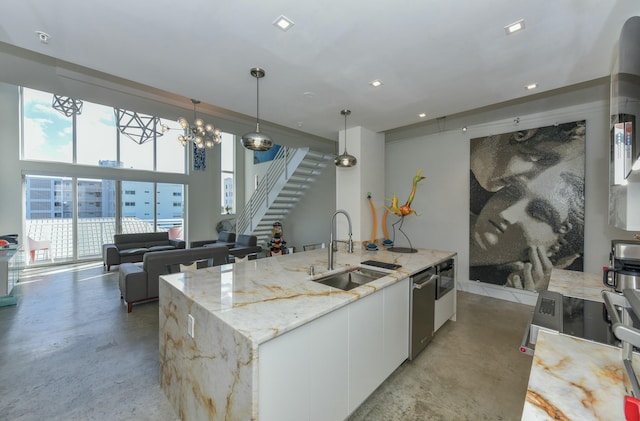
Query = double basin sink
x=352 y=278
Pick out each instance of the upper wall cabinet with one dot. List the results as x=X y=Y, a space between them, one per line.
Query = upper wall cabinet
x=625 y=102
x=624 y=192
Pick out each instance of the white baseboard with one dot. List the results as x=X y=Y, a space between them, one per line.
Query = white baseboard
x=497 y=291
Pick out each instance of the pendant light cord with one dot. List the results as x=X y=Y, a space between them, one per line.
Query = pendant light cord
x=345 y=133
x=257 y=104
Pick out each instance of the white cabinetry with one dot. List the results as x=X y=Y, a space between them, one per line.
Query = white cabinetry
x=366 y=352
x=445 y=309
x=396 y=325
x=303 y=373
x=328 y=367
x=325 y=369
x=378 y=339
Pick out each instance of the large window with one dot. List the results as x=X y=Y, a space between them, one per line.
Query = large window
x=96 y=136
x=227 y=174
x=47 y=134
x=169 y=152
x=76 y=215
x=49 y=215
x=96 y=216
x=92 y=137
x=170 y=209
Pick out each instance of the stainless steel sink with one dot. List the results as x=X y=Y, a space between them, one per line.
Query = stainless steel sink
x=351 y=279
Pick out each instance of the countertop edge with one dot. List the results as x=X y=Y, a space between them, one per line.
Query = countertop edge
x=332 y=299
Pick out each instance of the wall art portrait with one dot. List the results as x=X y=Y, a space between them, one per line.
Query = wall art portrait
x=527 y=205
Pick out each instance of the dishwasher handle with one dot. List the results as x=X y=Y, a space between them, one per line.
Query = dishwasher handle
x=424 y=283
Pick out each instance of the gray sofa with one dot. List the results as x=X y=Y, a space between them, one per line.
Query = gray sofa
x=130 y=248
x=140 y=282
x=224 y=237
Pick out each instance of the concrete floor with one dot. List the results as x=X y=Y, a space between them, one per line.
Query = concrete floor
x=70 y=351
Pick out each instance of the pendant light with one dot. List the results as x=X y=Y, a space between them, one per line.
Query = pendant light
x=345 y=160
x=256 y=141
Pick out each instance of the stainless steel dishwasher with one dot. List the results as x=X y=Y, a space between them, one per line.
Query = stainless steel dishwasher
x=422 y=304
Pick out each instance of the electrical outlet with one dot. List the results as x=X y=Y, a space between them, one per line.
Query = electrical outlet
x=191 y=324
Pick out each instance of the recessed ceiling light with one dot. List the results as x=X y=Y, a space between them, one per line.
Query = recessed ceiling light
x=284 y=23
x=531 y=86
x=422 y=115
x=376 y=83
x=514 y=27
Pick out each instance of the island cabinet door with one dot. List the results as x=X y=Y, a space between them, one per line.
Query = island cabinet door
x=303 y=373
x=366 y=348
x=396 y=325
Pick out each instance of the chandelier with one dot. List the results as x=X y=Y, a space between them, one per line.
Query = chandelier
x=67 y=105
x=140 y=128
x=256 y=141
x=345 y=160
x=203 y=135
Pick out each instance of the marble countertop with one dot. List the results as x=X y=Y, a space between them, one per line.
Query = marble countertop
x=577 y=284
x=572 y=378
x=264 y=298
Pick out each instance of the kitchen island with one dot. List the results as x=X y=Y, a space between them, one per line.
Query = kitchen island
x=571 y=378
x=244 y=341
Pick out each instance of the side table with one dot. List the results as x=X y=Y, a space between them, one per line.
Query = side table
x=11 y=265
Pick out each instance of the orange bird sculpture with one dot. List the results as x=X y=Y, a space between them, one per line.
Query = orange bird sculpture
x=405 y=209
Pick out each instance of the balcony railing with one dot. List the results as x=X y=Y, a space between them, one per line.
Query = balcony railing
x=92 y=234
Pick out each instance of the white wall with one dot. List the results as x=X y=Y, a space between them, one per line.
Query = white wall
x=370 y=149
x=348 y=188
x=10 y=178
x=353 y=184
x=442 y=199
x=308 y=223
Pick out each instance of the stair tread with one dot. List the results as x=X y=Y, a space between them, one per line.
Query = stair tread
x=309 y=166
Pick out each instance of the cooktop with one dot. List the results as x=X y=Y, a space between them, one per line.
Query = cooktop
x=572 y=316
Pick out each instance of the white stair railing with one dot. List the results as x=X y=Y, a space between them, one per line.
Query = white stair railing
x=279 y=172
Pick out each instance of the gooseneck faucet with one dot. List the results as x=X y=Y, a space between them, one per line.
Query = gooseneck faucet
x=332 y=241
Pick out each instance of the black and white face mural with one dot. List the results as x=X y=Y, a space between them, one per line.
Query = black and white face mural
x=527 y=205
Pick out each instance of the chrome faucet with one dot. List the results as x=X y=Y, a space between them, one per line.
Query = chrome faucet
x=332 y=241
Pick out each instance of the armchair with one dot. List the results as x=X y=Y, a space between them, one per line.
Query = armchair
x=225 y=238
x=245 y=244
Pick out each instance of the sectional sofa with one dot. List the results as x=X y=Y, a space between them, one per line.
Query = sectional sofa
x=140 y=282
x=130 y=248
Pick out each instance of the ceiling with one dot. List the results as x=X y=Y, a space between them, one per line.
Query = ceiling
x=438 y=57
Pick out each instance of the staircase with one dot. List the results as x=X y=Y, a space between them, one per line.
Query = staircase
x=288 y=178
